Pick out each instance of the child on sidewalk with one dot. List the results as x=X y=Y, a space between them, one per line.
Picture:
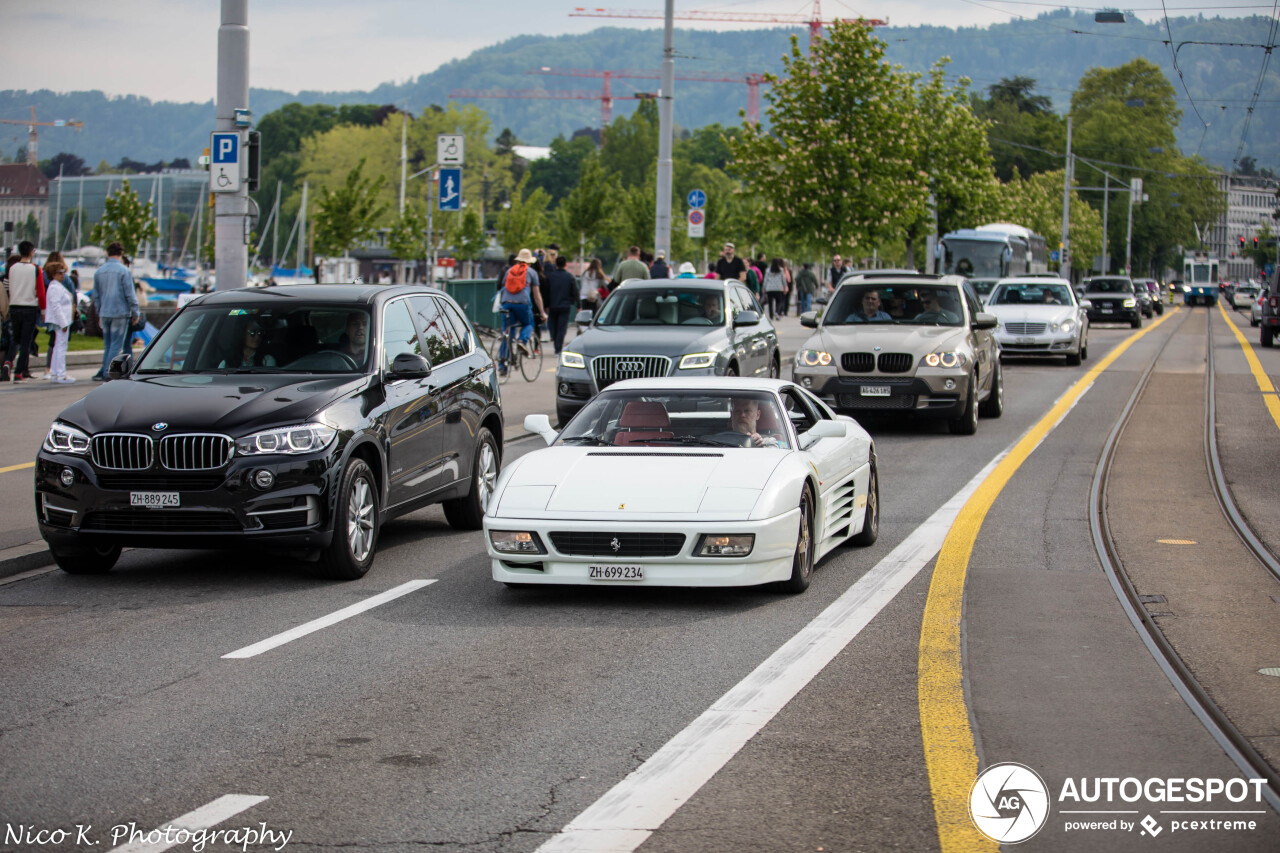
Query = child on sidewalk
x=58 y=312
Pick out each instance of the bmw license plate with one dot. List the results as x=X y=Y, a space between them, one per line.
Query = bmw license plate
x=875 y=391
x=158 y=500
x=615 y=573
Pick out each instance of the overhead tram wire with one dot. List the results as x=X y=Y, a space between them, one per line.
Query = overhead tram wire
x=1173 y=54
x=1091 y=161
x=1257 y=89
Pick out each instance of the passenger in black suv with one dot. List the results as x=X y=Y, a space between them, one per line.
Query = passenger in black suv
x=265 y=418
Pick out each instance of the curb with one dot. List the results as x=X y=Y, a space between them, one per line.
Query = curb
x=21 y=558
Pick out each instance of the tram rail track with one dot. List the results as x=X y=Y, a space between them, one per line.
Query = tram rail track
x=1215 y=720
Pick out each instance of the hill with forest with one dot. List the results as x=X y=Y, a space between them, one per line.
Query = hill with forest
x=1218 y=69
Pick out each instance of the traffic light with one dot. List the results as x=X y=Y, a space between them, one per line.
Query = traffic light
x=1242 y=242
x=254 y=151
x=1255 y=242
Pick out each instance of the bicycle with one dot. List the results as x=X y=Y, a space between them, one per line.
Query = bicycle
x=524 y=356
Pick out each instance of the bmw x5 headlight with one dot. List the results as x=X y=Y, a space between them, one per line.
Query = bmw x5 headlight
x=64 y=438
x=813 y=358
x=572 y=359
x=945 y=358
x=293 y=440
x=697 y=359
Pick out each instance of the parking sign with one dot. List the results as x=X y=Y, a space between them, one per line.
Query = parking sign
x=224 y=162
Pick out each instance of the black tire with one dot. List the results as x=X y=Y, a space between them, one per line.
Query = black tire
x=1137 y=322
x=993 y=406
x=1267 y=336
x=1074 y=359
x=871 y=517
x=1160 y=308
x=967 y=422
x=85 y=559
x=355 y=525
x=802 y=561
x=467 y=512
x=775 y=367
x=1084 y=348
x=731 y=370
x=1253 y=322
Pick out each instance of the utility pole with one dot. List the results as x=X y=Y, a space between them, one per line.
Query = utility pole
x=1106 y=220
x=404 y=156
x=1065 y=267
x=231 y=233
x=666 y=105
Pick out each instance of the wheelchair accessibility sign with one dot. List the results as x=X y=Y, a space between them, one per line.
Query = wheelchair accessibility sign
x=224 y=162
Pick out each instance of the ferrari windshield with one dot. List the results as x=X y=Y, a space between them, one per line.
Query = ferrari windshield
x=292 y=338
x=1031 y=294
x=663 y=306
x=671 y=418
x=932 y=304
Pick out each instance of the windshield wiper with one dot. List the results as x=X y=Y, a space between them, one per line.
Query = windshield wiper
x=158 y=370
x=693 y=439
x=586 y=439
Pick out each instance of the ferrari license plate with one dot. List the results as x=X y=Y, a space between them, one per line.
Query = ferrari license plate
x=875 y=391
x=615 y=573
x=159 y=500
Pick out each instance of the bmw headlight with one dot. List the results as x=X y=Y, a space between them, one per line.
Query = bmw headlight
x=697 y=359
x=64 y=438
x=572 y=359
x=305 y=438
x=946 y=358
x=813 y=358
x=1130 y=302
x=1065 y=326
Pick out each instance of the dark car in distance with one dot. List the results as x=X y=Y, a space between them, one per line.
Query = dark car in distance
x=297 y=418
x=1114 y=300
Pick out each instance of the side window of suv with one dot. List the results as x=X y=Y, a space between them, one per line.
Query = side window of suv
x=972 y=301
x=398 y=333
x=463 y=336
x=436 y=331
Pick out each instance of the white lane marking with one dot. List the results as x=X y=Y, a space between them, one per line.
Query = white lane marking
x=210 y=814
x=325 y=621
x=622 y=819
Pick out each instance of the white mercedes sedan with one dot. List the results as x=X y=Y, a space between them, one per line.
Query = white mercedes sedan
x=1041 y=316
x=713 y=481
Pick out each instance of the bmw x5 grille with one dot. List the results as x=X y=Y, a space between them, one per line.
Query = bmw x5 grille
x=614 y=368
x=858 y=362
x=895 y=362
x=196 y=452
x=122 y=451
x=628 y=545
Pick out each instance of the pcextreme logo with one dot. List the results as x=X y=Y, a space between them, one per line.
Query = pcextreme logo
x=1009 y=803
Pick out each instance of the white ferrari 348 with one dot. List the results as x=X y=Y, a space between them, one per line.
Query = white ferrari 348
x=715 y=481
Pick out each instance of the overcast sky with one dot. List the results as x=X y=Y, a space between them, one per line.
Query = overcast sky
x=167 y=49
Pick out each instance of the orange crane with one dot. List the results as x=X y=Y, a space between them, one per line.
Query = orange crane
x=753 y=81
x=32 y=159
x=606 y=98
x=814 y=21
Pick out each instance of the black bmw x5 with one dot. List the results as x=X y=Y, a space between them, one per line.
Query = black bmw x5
x=297 y=418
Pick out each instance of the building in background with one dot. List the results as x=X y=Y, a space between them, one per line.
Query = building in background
x=1251 y=203
x=24 y=196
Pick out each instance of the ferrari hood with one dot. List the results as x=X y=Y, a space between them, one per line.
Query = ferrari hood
x=572 y=482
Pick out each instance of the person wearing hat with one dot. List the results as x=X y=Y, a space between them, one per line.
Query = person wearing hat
x=660 y=268
x=730 y=266
x=688 y=270
x=520 y=294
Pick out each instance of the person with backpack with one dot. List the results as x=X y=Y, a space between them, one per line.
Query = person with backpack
x=519 y=295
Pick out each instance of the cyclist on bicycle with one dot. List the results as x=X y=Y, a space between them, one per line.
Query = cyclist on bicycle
x=518 y=287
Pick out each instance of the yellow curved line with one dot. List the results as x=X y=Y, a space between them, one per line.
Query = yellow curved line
x=1255 y=367
x=17 y=467
x=950 y=756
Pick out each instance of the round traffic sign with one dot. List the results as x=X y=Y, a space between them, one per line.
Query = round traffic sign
x=696 y=217
x=697 y=198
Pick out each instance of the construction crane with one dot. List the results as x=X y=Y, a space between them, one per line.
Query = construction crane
x=753 y=81
x=606 y=98
x=32 y=159
x=814 y=21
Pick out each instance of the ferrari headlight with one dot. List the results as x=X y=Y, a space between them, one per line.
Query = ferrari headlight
x=305 y=438
x=64 y=438
x=515 y=542
x=572 y=359
x=946 y=358
x=726 y=545
x=697 y=359
x=1130 y=302
x=813 y=358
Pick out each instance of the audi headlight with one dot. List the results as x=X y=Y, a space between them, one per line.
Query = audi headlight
x=516 y=542
x=1129 y=303
x=64 y=438
x=305 y=438
x=813 y=358
x=697 y=359
x=572 y=359
x=946 y=358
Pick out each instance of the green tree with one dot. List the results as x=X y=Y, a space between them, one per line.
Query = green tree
x=582 y=215
x=521 y=225
x=349 y=213
x=1265 y=251
x=126 y=220
x=1023 y=132
x=707 y=146
x=631 y=146
x=407 y=238
x=29 y=229
x=837 y=164
x=559 y=172
x=1036 y=203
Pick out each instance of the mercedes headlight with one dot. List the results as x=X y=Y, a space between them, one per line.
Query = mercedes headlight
x=946 y=358
x=813 y=358
x=572 y=359
x=64 y=438
x=1130 y=302
x=305 y=438
x=1065 y=326
x=697 y=359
